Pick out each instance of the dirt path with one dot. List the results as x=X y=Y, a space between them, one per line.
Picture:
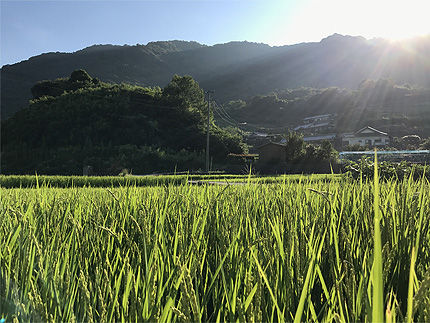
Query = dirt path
x=215 y=183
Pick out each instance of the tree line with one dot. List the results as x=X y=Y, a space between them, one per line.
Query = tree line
x=78 y=121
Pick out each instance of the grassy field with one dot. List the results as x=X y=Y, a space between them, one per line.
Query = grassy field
x=308 y=249
x=26 y=181
x=32 y=181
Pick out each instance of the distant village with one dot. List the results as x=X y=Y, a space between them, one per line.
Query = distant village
x=351 y=145
x=316 y=129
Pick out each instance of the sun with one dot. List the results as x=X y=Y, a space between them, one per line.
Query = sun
x=401 y=19
x=390 y=19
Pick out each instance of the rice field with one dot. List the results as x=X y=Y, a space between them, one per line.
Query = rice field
x=26 y=181
x=32 y=181
x=333 y=249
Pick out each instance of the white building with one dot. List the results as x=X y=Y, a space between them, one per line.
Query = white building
x=318 y=139
x=366 y=136
x=319 y=123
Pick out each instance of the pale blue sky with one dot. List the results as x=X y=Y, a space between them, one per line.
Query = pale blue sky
x=33 y=27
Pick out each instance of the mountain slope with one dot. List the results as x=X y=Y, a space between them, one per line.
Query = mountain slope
x=110 y=127
x=234 y=70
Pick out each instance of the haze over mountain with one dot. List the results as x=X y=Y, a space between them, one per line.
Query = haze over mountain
x=234 y=70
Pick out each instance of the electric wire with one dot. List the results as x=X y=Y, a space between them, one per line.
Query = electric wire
x=225 y=113
x=220 y=106
x=222 y=118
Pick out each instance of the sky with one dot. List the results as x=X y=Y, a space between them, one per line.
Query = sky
x=30 y=28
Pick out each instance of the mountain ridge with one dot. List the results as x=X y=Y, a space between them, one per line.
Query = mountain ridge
x=234 y=70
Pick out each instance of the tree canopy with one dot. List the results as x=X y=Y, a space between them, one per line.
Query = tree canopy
x=78 y=121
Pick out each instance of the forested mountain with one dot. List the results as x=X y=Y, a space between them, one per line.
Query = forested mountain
x=397 y=109
x=78 y=121
x=236 y=70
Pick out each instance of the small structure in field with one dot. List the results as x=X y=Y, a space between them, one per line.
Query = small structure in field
x=366 y=136
x=87 y=170
x=246 y=157
x=241 y=162
x=272 y=153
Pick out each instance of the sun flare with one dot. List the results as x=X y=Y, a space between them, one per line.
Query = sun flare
x=393 y=20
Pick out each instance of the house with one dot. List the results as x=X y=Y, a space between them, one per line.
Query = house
x=366 y=136
x=320 y=139
x=319 y=118
x=319 y=123
x=272 y=153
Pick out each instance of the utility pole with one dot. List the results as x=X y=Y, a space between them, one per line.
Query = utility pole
x=207 y=133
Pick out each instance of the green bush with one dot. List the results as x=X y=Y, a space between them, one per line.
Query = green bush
x=387 y=170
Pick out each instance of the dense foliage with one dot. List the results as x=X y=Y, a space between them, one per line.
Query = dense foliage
x=240 y=70
x=387 y=169
x=408 y=142
x=302 y=157
x=297 y=250
x=78 y=121
x=77 y=80
x=397 y=109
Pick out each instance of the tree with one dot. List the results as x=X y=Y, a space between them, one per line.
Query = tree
x=46 y=88
x=426 y=144
x=78 y=79
x=185 y=92
x=294 y=147
x=81 y=76
x=410 y=141
x=111 y=127
x=326 y=151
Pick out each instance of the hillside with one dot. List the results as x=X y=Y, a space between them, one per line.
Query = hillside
x=397 y=109
x=111 y=127
x=235 y=70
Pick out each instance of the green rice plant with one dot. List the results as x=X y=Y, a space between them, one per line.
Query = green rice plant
x=34 y=181
x=300 y=248
x=377 y=278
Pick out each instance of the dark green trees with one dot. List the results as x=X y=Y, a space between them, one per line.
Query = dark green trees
x=78 y=79
x=295 y=147
x=80 y=76
x=185 y=92
x=77 y=121
x=309 y=158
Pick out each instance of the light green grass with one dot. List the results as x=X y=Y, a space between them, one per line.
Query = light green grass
x=298 y=250
x=377 y=277
x=25 y=181
x=278 y=179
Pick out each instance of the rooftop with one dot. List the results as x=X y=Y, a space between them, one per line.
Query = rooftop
x=372 y=129
x=312 y=125
x=271 y=143
x=319 y=116
x=322 y=137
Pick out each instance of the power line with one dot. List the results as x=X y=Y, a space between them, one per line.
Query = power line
x=224 y=111
x=225 y=116
x=220 y=107
x=217 y=108
x=207 y=134
x=219 y=112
